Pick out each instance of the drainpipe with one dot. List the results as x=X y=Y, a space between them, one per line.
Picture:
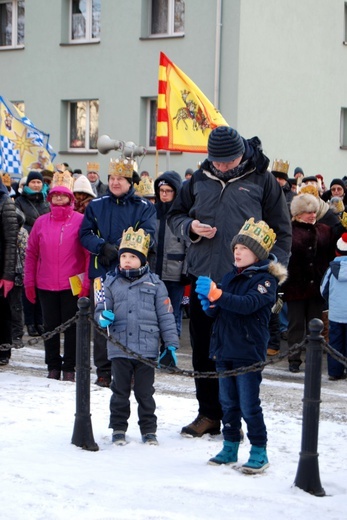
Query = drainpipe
x=219 y=6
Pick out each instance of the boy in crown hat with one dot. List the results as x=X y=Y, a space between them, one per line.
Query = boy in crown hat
x=242 y=306
x=136 y=318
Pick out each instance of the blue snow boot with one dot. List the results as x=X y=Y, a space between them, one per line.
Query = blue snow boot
x=228 y=455
x=257 y=461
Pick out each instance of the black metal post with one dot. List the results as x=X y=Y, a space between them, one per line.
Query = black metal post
x=83 y=433
x=307 y=476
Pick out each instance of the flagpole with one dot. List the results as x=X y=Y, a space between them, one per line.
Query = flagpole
x=156 y=163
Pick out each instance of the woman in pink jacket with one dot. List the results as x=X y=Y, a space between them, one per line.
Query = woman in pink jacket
x=54 y=254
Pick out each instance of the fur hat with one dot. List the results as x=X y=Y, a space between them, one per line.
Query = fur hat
x=34 y=175
x=225 y=144
x=257 y=236
x=304 y=203
x=341 y=245
x=82 y=185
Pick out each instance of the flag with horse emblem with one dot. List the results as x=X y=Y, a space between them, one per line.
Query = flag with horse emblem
x=22 y=146
x=185 y=117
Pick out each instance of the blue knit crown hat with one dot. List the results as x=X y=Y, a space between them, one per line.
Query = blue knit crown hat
x=225 y=144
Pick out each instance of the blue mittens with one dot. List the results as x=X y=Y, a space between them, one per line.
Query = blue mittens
x=106 y=318
x=168 y=358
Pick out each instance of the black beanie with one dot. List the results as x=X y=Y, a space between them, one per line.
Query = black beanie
x=338 y=182
x=224 y=144
x=34 y=175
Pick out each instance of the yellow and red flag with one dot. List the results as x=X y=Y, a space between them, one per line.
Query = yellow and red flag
x=185 y=117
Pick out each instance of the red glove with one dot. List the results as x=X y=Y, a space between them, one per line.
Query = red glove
x=84 y=292
x=7 y=285
x=30 y=293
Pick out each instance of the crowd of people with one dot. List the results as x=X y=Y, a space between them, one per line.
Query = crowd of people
x=237 y=232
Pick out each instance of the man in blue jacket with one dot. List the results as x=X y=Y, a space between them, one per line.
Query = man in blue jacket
x=104 y=221
x=231 y=185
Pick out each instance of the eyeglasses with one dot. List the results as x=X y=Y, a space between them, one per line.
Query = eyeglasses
x=165 y=191
x=59 y=196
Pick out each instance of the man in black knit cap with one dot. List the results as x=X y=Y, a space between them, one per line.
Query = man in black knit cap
x=230 y=186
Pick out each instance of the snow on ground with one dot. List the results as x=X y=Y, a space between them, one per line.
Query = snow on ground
x=43 y=476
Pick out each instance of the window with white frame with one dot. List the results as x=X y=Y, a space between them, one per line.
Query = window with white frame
x=167 y=17
x=83 y=124
x=85 y=20
x=12 y=23
x=151 y=123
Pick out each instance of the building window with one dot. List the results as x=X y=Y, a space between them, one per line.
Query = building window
x=85 y=20
x=167 y=17
x=83 y=125
x=151 y=119
x=12 y=23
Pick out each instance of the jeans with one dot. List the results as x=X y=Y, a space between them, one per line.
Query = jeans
x=176 y=291
x=239 y=397
x=338 y=341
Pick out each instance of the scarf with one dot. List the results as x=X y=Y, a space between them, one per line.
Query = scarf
x=234 y=173
x=133 y=274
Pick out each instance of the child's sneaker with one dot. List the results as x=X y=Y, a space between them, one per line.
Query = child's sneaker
x=118 y=438
x=150 y=438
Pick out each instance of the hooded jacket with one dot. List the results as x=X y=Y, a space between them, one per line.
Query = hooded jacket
x=227 y=205
x=334 y=289
x=143 y=314
x=8 y=235
x=54 y=252
x=105 y=220
x=241 y=329
x=167 y=258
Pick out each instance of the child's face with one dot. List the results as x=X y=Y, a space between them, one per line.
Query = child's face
x=129 y=261
x=244 y=256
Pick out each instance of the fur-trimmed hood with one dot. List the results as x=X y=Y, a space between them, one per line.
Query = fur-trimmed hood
x=279 y=271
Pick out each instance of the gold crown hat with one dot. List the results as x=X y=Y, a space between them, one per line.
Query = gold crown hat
x=145 y=188
x=122 y=166
x=135 y=241
x=93 y=167
x=63 y=179
x=257 y=236
x=280 y=168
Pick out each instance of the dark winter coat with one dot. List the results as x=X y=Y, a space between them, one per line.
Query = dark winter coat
x=105 y=220
x=143 y=314
x=241 y=329
x=312 y=250
x=8 y=235
x=33 y=205
x=167 y=257
x=227 y=206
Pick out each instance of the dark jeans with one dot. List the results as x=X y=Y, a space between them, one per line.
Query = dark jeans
x=5 y=326
x=338 y=341
x=176 y=291
x=200 y=327
x=58 y=307
x=122 y=371
x=300 y=313
x=32 y=311
x=101 y=362
x=239 y=397
x=16 y=303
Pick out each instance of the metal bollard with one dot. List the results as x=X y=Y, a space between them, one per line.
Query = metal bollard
x=83 y=433
x=307 y=476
